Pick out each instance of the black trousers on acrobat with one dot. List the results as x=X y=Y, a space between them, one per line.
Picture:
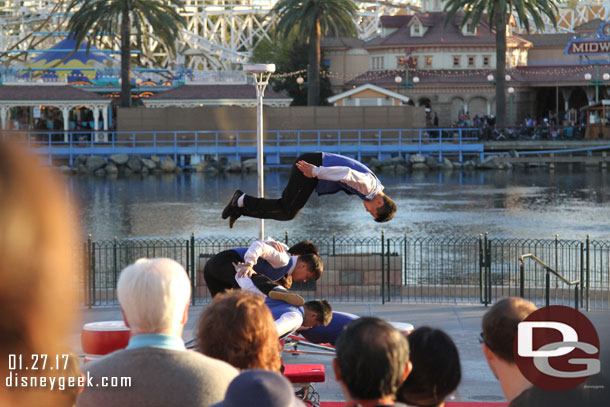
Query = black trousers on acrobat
x=295 y=195
x=219 y=274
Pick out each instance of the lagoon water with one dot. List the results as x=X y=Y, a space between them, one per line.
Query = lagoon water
x=535 y=203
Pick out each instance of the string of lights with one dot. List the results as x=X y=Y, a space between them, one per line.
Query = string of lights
x=444 y=73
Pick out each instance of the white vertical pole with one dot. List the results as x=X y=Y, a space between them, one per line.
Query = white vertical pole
x=261 y=80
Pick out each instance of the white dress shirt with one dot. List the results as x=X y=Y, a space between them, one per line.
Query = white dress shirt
x=365 y=183
x=275 y=258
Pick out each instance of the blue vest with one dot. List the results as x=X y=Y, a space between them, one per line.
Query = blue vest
x=332 y=187
x=330 y=332
x=263 y=267
x=278 y=308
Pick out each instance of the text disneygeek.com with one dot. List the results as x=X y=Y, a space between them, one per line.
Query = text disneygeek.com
x=53 y=373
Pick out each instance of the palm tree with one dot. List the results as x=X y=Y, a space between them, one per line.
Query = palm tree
x=312 y=19
x=497 y=11
x=95 y=19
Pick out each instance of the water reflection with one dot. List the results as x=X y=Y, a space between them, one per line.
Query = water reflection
x=524 y=204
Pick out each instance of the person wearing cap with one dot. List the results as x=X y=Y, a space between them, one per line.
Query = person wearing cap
x=154 y=296
x=260 y=388
x=325 y=173
x=266 y=263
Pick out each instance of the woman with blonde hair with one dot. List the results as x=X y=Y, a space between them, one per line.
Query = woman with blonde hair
x=37 y=280
x=237 y=327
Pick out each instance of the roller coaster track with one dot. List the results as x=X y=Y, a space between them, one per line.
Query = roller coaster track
x=219 y=33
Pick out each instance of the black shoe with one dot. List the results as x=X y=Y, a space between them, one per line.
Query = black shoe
x=232 y=207
x=234 y=216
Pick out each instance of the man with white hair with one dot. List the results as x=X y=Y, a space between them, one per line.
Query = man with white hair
x=154 y=296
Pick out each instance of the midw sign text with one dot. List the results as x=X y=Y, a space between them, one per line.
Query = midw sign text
x=589 y=47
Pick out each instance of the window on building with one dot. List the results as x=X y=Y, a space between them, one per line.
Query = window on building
x=377 y=63
x=428 y=61
x=469 y=29
x=471 y=61
x=400 y=62
x=416 y=29
x=414 y=62
x=486 y=60
x=456 y=61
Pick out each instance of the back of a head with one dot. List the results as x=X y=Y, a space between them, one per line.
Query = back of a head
x=436 y=368
x=387 y=211
x=372 y=357
x=304 y=247
x=260 y=388
x=38 y=273
x=314 y=263
x=237 y=327
x=153 y=294
x=500 y=325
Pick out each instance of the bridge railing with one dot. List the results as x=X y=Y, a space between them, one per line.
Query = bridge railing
x=238 y=144
x=531 y=133
x=450 y=269
x=135 y=139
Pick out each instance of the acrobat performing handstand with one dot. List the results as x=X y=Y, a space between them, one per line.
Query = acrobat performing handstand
x=325 y=173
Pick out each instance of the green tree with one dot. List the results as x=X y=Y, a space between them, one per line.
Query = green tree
x=311 y=19
x=497 y=12
x=95 y=19
x=289 y=55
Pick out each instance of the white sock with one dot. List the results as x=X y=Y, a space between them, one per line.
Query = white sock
x=240 y=201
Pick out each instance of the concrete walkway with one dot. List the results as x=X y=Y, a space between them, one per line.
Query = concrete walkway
x=462 y=323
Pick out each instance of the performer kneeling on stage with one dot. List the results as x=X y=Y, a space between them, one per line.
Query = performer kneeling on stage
x=268 y=263
x=326 y=173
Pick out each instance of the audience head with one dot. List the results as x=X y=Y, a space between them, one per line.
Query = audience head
x=260 y=388
x=154 y=295
x=309 y=267
x=237 y=327
x=304 y=247
x=317 y=312
x=500 y=325
x=372 y=360
x=436 y=368
x=38 y=274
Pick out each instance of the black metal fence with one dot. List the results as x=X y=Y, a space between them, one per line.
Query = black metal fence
x=388 y=268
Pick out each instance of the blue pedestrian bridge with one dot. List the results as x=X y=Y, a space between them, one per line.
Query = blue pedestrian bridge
x=183 y=146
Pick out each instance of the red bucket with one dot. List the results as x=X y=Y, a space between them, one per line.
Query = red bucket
x=102 y=338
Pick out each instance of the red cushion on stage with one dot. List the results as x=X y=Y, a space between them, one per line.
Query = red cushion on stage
x=304 y=373
x=101 y=338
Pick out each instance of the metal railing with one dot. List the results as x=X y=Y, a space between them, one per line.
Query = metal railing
x=386 y=268
x=238 y=144
x=547 y=279
x=533 y=133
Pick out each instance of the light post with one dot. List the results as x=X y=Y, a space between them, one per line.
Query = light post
x=492 y=81
x=511 y=99
x=261 y=74
x=597 y=81
x=406 y=84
